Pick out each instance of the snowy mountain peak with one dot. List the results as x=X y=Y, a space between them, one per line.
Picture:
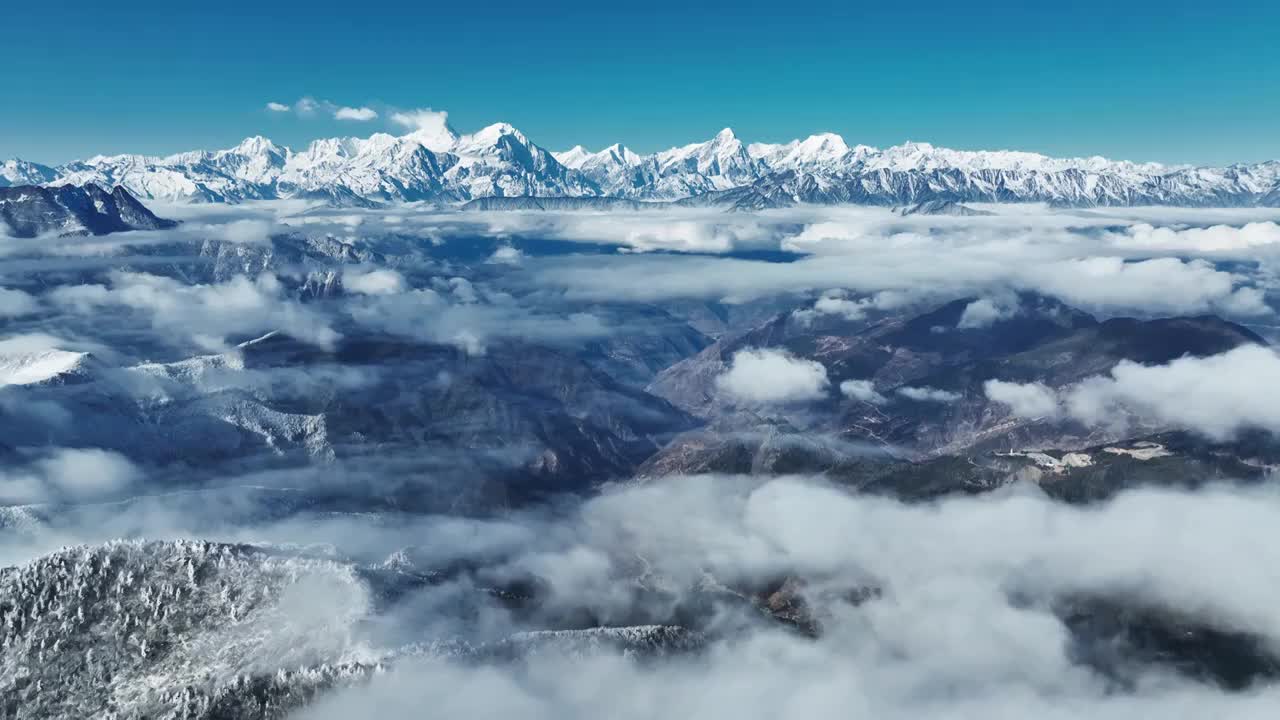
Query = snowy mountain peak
x=824 y=142
x=621 y=153
x=499 y=141
x=616 y=155
x=342 y=147
x=258 y=145
x=824 y=150
x=717 y=164
x=491 y=134
x=573 y=157
x=123 y=159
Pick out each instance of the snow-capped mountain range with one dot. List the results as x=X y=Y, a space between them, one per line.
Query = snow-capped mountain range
x=441 y=165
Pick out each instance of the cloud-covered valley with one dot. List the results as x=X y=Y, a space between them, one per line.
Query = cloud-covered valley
x=674 y=461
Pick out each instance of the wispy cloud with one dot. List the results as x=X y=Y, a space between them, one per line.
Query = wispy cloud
x=207 y=314
x=359 y=114
x=306 y=106
x=310 y=107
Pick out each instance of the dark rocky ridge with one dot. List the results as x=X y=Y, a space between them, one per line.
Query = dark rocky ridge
x=29 y=210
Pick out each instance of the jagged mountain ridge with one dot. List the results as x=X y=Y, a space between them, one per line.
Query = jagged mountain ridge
x=500 y=161
x=21 y=172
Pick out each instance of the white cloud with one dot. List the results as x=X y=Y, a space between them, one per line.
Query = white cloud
x=985 y=312
x=309 y=107
x=1034 y=250
x=1213 y=239
x=1249 y=302
x=247 y=231
x=16 y=303
x=836 y=305
x=836 y=302
x=30 y=343
x=928 y=394
x=699 y=230
x=421 y=119
x=381 y=281
x=867 y=251
x=1159 y=285
x=462 y=290
x=426 y=315
x=205 y=314
x=863 y=390
x=68 y=475
x=360 y=114
x=770 y=377
x=1026 y=400
x=964 y=625
x=1217 y=395
x=430 y=127
x=506 y=255
x=1098 y=283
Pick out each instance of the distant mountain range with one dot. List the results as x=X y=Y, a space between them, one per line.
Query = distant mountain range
x=500 y=161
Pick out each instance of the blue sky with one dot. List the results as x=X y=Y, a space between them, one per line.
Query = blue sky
x=1170 y=81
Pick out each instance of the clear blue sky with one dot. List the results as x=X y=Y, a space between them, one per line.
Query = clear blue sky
x=1164 y=80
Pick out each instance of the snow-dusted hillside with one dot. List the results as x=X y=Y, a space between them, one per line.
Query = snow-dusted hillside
x=202 y=630
x=160 y=629
x=48 y=365
x=500 y=161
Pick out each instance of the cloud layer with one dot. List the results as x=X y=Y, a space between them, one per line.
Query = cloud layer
x=963 y=622
x=1217 y=396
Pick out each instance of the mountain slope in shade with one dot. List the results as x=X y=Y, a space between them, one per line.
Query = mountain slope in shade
x=27 y=211
x=500 y=161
